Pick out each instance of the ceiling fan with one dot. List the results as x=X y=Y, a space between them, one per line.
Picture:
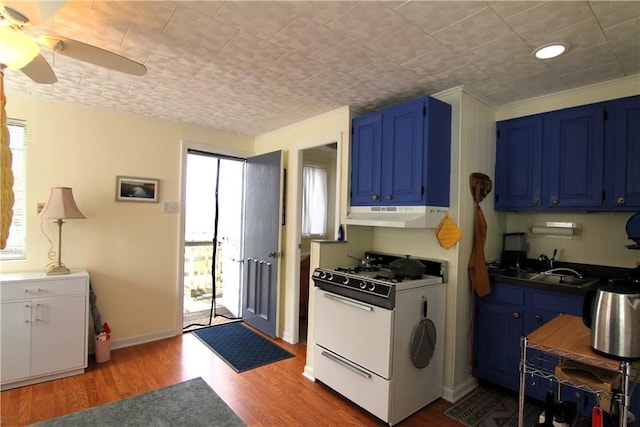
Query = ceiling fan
x=16 y=15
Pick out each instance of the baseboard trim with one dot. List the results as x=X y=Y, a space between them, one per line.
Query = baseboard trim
x=308 y=373
x=141 y=339
x=457 y=393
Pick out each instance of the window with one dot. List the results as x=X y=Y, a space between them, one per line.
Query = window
x=16 y=243
x=314 y=201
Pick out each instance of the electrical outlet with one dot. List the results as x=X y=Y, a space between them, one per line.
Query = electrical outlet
x=39 y=208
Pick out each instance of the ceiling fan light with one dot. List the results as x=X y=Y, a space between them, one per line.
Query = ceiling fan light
x=16 y=49
x=551 y=50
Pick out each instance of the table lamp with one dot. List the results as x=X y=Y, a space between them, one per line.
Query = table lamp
x=60 y=206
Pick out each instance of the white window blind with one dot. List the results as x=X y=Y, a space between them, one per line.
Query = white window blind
x=314 y=201
x=16 y=243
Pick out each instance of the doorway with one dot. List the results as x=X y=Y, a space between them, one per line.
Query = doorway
x=213 y=212
x=323 y=157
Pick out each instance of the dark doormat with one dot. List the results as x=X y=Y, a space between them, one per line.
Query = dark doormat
x=240 y=347
x=191 y=403
x=488 y=407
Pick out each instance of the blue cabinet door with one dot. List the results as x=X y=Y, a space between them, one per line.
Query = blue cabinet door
x=497 y=332
x=574 y=148
x=403 y=154
x=437 y=169
x=623 y=154
x=497 y=346
x=519 y=163
x=366 y=160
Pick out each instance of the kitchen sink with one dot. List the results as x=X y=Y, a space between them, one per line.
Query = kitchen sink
x=560 y=278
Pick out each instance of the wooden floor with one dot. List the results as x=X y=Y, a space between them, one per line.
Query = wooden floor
x=271 y=395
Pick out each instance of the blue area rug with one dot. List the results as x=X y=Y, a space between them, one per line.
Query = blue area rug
x=240 y=347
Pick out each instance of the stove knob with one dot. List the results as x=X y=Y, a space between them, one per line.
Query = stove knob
x=363 y=285
x=372 y=286
x=345 y=281
x=323 y=274
x=329 y=276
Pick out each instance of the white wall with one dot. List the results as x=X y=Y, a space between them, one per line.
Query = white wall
x=472 y=150
x=131 y=250
x=332 y=127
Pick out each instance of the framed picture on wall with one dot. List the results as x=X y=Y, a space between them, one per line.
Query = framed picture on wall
x=131 y=189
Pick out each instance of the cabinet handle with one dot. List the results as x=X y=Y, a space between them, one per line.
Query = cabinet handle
x=621 y=200
x=535 y=202
x=538 y=318
x=389 y=196
x=32 y=291
x=375 y=197
x=555 y=202
x=27 y=314
x=516 y=315
x=38 y=313
x=354 y=369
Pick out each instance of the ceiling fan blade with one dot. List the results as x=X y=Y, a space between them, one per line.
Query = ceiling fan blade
x=39 y=71
x=35 y=12
x=92 y=54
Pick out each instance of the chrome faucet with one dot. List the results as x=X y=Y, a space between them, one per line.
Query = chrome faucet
x=556 y=271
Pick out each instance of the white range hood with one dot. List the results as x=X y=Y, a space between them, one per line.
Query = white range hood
x=397 y=216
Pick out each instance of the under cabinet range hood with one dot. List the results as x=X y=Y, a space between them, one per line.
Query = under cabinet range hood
x=397 y=216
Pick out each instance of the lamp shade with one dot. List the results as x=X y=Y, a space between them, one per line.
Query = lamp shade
x=16 y=49
x=61 y=205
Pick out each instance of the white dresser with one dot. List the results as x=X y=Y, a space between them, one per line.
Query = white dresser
x=43 y=329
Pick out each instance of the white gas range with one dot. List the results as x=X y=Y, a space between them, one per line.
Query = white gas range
x=379 y=338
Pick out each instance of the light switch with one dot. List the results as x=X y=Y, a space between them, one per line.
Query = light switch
x=170 y=207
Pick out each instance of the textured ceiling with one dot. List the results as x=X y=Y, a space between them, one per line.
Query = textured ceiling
x=252 y=67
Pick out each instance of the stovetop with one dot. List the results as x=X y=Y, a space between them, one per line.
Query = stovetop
x=377 y=273
x=375 y=284
x=380 y=274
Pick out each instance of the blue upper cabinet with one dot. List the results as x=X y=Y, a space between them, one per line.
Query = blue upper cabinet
x=366 y=154
x=574 y=151
x=401 y=156
x=579 y=159
x=622 y=155
x=519 y=163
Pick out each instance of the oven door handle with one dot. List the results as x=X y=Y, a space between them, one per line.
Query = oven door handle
x=344 y=364
x=347 y=301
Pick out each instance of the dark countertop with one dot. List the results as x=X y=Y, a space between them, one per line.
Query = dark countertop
x=595 y=275
x=563 y=288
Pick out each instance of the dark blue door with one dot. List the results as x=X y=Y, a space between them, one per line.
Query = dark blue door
x=262 y=241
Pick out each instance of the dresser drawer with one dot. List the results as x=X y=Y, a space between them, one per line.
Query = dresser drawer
x=46 y=288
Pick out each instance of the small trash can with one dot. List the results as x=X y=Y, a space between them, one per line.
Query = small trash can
x=102 y=345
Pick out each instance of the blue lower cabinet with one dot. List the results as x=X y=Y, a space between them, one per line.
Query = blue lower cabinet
x=502 y=318
x=497 y=347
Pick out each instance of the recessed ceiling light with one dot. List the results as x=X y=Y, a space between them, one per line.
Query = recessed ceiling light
x=551 y=50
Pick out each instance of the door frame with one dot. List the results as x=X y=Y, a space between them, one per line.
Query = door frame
x=294 y=188
x=185 y=146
